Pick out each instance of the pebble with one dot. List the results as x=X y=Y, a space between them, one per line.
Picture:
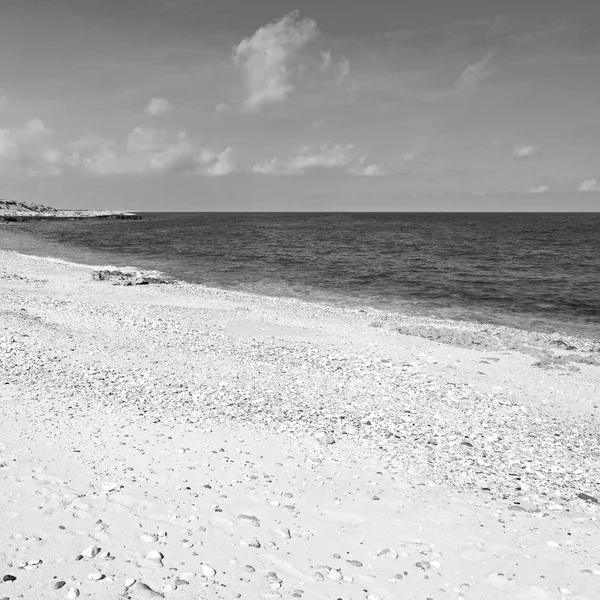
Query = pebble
x=149 y=537
x=284 y=532
x=388 y=553
x=72 y=593
x=8 y=578
x=187 y=576
x=95 y=576
x=58 y=585
x=208 y=571
x=254 y=543
x=91 y=552
x=249 y=519
x=129 y=582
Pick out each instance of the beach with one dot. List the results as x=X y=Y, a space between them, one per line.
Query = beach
x=187 y=442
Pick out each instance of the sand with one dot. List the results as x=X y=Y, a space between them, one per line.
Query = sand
x=181 y=442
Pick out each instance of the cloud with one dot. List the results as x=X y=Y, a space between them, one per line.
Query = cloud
x=264 y=58
x=222 y=108
x=150 y=151
x=538 y=189
x=3 y=98
x=326 y=60
x=524 y=151
x=589 y=185
x=343 y=69
x=27 y=150
x=157 y=107
x=474 y=75
x=344 y=157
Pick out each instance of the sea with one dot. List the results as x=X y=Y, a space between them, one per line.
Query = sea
x=538 y=272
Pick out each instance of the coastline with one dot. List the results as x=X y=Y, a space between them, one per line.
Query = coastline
x=437 y=418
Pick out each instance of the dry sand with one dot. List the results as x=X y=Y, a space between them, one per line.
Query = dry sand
x=178 y=441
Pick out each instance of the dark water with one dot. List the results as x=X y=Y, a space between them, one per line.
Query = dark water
x=534 y=271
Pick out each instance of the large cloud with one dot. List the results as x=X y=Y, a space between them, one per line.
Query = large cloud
x=150 y=150
x=264 y=58
x=27 y=150
x=589 y=185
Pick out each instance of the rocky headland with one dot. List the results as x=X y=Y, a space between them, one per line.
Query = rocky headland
x=12 y=211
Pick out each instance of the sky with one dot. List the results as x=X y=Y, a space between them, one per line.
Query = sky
x=252 y=105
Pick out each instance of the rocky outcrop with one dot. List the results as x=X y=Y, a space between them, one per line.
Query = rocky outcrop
x=124 y=277
x=11 y=211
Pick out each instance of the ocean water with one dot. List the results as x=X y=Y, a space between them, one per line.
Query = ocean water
x=531 y=271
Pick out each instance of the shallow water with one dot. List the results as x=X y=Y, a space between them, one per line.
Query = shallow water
x=533 y=271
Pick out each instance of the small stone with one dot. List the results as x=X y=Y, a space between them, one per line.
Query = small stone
x=208 y=571
x=145 y=592
x=149 y=537
x=254 y=543
x=423 y=564
x=249 y=519
x=90 y=552
x=8 y=578
x=553 y=544
x=95 y=576
x=372 y=596
x=187 y=576
x=109 y=486
x=249 y=569
x=355 y=563
x=72 y=593
x=335 y=575
x=588 y=498
x=154 y=555
x=58 y=585
x=284 y=532
x=388 y=553
x=129 y=582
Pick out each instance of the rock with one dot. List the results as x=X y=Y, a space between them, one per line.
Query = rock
x=145 y=592
x=91 y=552
x=254 y=543
x=9 y=578
x=95 y=576
x=208 y=571
x=72 y=593
x=123 y=277
x=588 y=498
x=129 y=582
x=59 y=584
x=187 y=576
x=149 y=537
x=284 y=532
x=355 y=563
x=252 y=520
x=387 y=553
x=423 y=564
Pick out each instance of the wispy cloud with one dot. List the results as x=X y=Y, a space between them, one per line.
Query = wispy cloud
x=474 y=75
x=264 y=58
x=538 y=189
x=524 y=151
x=589 y=185
x=342 y=157
x=157 y=107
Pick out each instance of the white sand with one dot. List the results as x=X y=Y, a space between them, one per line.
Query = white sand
x=148 y=420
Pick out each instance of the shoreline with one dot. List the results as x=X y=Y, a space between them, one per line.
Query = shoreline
x=218 y=444
x=427 y=326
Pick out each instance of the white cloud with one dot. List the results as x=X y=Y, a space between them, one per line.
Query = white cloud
x=538 y=189
x=150 y=150
x=589 y=185
x=524 y=151
x=222 y=164
x=157 y=107
x=474 y=75
x=342 y=157
x=326 y=60
x=26 y=150
x=343 y=69
x=264 y=58
x=222 y=107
